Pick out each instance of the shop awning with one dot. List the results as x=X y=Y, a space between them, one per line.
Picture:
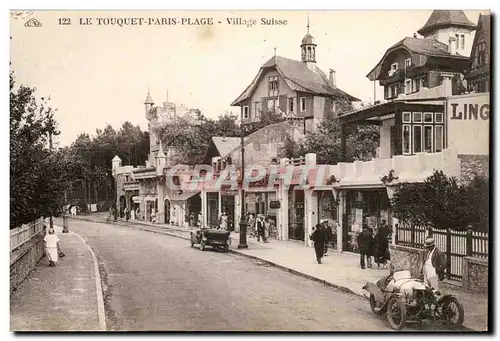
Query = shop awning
x=149 y=198
x=136 y=198
x=180 y=195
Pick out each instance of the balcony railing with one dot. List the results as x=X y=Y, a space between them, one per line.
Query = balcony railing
x=397 y=76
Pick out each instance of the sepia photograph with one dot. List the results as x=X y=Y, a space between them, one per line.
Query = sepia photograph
x=250 y=170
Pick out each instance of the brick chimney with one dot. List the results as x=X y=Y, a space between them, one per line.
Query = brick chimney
x=452 y=47
x=332 y=79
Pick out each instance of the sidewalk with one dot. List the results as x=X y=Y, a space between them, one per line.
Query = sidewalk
x=339 y=270
x=61 y=298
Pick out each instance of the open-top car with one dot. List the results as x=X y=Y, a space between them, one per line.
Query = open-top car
x=211 y=237
x=406 y=299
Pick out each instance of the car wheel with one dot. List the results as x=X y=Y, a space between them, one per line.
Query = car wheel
x=452 y=313
x=396 y=313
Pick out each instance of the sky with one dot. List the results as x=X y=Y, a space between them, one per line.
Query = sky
x=100 y=74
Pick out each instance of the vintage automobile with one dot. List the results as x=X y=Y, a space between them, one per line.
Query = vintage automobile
x=406 y=299
x=217 y=239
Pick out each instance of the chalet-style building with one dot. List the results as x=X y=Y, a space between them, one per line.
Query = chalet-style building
x=425 y=124
x=478 y=75
x=415 y=63
x=297 y=89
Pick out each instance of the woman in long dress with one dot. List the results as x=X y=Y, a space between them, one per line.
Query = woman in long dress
x=52 y=246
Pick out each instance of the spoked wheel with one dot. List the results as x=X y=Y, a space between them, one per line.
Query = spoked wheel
x=452 y=312
x=373 y=306
x=202 y=246
x=396 y=313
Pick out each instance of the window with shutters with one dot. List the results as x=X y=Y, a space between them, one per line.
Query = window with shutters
x=303 y=104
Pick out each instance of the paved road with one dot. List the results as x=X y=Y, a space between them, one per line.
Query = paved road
x=157 y=282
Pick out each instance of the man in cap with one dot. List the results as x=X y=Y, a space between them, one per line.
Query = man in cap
x=434 y=265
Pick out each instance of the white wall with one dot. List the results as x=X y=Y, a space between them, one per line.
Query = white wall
x=466 y=133
x=385 y=138
x=443 y=35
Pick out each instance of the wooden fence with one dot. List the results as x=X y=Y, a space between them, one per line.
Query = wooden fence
x=21 y=235
x=456 y=245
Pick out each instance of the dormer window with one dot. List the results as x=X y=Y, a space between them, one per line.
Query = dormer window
x=394 y=68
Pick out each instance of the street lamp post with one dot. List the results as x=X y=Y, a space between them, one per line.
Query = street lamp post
x=65 y=213
x=243 y=224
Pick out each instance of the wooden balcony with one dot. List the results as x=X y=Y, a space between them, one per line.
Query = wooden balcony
x=397 y=76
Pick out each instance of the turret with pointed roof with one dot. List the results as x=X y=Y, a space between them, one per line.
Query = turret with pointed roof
x=149 y=100
x=445 y=19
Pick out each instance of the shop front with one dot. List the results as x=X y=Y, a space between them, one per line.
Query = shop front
x=228 y=206
x=213 y=209
x=327 y=210
x=363 y=206
x=296 y=214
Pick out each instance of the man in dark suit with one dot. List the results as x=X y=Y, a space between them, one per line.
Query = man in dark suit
x=365 y=241
x=319 y=238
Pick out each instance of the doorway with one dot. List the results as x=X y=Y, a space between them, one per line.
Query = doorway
x=167 y=211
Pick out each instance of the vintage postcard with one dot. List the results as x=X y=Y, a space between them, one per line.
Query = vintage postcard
x=250 y=170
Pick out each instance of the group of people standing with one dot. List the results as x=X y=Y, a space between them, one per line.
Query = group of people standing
x=374 y=245
x=259 y=227
x=322 y=235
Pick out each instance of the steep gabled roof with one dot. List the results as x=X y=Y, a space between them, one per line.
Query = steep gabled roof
x=446 y=18
x=298 y=77
x=483 y=33
x=427 y=47
x=225 y=144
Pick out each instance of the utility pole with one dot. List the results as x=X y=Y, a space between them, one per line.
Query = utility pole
x=51 y=224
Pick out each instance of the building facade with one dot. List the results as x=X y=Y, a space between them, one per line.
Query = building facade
x=478 y=75
x=417 y=63
x=295 y=88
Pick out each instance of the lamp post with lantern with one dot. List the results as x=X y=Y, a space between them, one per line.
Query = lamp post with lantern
x=243 y=224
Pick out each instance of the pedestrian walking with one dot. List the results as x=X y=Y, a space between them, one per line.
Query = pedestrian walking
x=381 y=254
x=328 y=234
x=364 y=240
x=260 y=225
x=318 y=237
x=127 y=214
x=373 y=246
x=51 y=245
x=251 y=225
x=223 y=221
x=132 y=214
x=200 y=220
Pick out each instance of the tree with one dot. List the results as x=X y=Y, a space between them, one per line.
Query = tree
x=266 y=118
x=190 y=140
x=37 y=173
x=442 y=202
x=361 y=142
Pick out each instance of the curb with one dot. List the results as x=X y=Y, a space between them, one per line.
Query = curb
x=281 y=267
x=99 y=292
